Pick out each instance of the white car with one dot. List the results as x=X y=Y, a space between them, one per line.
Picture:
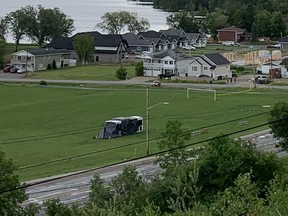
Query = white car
x=200 y=45
x=189 y=47
x=229 y=43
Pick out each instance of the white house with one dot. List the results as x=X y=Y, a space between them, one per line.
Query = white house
x=211 y=65
x=166 y=63
x=39 y=59
x=266 y=67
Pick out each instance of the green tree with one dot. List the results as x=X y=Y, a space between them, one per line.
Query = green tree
x=278 y=123
x=17 y=21
x=184 y=21
x=278 y=28
x=174 y=140
x=3 y=46
x=100 y=195
x=224 y=159
x=263 y=23
x=10 y=197
x=215 y=21
x=116 y=22
x=135 y=24
x=139 y=69
x=121 y=73
x=3 y=28
x=129 y=191
x=42 y=25
x=84 y=46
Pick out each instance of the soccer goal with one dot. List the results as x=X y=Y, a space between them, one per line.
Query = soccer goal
x=202 y=90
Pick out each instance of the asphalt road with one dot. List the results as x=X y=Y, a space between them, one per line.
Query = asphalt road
x=243 y=81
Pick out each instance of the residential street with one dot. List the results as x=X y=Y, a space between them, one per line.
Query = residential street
x=243 y=81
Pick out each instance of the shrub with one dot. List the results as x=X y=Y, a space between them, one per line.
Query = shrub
x=121 y=73
x=54 y=66
x=49 y=66
x=43 y=82
x=139 y=69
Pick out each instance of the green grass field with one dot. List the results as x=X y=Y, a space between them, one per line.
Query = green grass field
x=88 y=72
x=41 y=125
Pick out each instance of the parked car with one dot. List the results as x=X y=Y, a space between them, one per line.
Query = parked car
x=189 y=47
x=20 y=71
x=7 y=68
x=14 y=70
x=156 y=83
x=204 y=76
x=262 y=79
x=201 y=45
x=161 y=76
x=230 y=43
x=147 y=53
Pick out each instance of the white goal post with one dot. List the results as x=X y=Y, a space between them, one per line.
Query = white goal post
x=203 y=90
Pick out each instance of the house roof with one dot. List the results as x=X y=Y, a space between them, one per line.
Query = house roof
x=165 y=53
x=192 y=35
x=150 y=34
x=100 y=40
x=136 y=40
x=61 y=43
x=216 y=58
x=47 y=51
x=231 y=28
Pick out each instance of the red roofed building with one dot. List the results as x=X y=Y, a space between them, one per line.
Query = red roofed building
x=230 y=34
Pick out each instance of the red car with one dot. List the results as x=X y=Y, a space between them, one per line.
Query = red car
x=156 y=83
x=7 y=68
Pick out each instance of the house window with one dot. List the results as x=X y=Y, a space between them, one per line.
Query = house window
x=171 y=62
x=29 y=58
x=97 y=59
x=205 y=68
x=19 y=58
x=194 y=68
x=166 y=62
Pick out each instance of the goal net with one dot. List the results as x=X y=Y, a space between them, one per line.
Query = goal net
x=213 y=92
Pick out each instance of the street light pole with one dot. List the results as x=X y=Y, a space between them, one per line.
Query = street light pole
x=147 y=119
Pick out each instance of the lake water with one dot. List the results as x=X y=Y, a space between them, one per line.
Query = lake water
x=87 y=13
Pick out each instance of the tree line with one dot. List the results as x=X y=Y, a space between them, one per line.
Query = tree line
x=226 y=176
x=263 y=18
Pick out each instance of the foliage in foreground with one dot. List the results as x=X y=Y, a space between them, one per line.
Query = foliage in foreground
x=230 y=177
x=278 y=122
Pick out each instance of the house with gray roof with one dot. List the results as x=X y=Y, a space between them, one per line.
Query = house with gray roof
x=137 y=43
x=39 y=59
x=213 y=65
x=107 y=48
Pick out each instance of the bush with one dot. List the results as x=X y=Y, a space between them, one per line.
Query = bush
x=49 y=66
x=43 y=82
x=139 y=69
x=121 y=73
x=54 y=66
